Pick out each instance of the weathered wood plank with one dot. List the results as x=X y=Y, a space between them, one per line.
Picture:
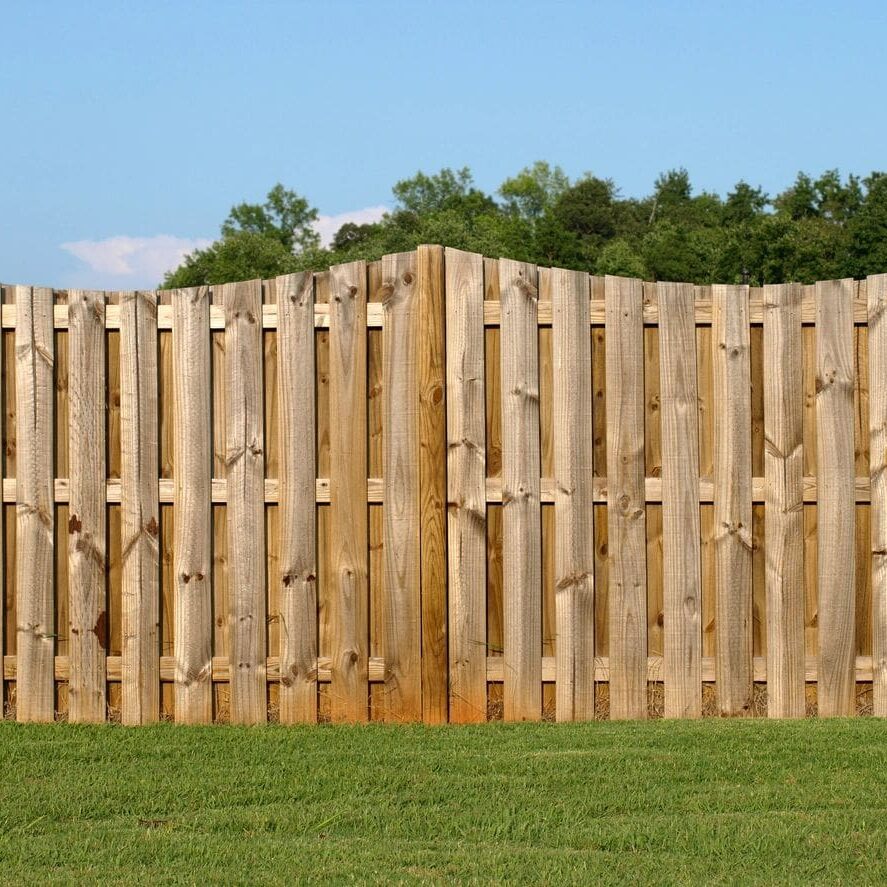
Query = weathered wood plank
x=784 y=524
x=877 y=300
x=626 y=518
x=193 y=514
x=732 y=497
x=88 y=621
x=400 y=441
x=298 y=531
x=349 y=558
x=682 y=578
x=35 y=629
x=573 y=496
x=466 y=482
x=5 y=586
x=836 y=515
x=433 y=481
x=140 y=518
x=521 y=510
x=245 y=461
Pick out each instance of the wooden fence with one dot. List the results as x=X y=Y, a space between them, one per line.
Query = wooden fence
x=442 y=487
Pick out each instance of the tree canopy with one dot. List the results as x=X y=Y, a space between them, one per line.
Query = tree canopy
x=817 y=228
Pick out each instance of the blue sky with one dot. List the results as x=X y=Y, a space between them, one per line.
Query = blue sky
x=127 y=130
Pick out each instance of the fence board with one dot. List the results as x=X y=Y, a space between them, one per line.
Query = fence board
x=193 y=516
x=140 y=518
x=835 y=496
x=245 y=446
x=521 y=517
x=466 y=493
x=298 y=535
x=877 y=301
x=431 y=337
x=784 y=525
x=349 y=559
x=86 y=522
x=625 y=498
x=5 y=590
x=573 y=502
x=682 y=579
x=400 y=442
x=35 y=635
x=733 y=498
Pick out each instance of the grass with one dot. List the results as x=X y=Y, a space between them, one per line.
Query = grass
x=712 y=802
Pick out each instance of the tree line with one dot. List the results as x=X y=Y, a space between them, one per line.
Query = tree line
x=816 y=229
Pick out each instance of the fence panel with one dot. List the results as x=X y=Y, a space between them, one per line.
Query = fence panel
x=442 y=487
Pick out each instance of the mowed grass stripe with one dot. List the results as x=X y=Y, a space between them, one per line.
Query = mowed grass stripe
x=717 y=802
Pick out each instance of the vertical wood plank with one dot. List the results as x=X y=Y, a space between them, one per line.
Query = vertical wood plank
x=624 y=321
x=466 y=482
x=573 y=497
x=5 y=605
x=140 y=518
x=35 y=634
x=877 y=311
x=193 y=525
x=86 y=522
x=349 y=558
x=245 y=455
x=298 y=532
x=521 y=509
x=400 y=391
x=784 y=500
x=836 y=498
x=682 y=578
x=732 y=497
x=433 y=481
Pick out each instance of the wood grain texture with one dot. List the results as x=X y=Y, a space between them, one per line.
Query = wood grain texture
x=836 y=518
x=784 y=524
x=732 y=497
x=573 y=499
x=400 y=442
x=521 y=514
x=245 y=461
x=349 y=557
x=466 y=483
x=193 y=510
x=877 y=353
x=626 y=519
x=298 y=532
x=87 y=592
x=433 y=481
x=35 y=613
x=140 y=518
x=682 y=578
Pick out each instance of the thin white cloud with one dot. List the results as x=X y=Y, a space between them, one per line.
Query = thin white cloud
x=132 y=261
x=326 y=226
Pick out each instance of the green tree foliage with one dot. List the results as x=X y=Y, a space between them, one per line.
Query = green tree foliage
x=818 y=228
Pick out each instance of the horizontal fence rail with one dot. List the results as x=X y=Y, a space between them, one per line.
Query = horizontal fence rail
x=440 y=487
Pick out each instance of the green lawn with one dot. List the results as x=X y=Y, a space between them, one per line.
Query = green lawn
x=656 y=803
